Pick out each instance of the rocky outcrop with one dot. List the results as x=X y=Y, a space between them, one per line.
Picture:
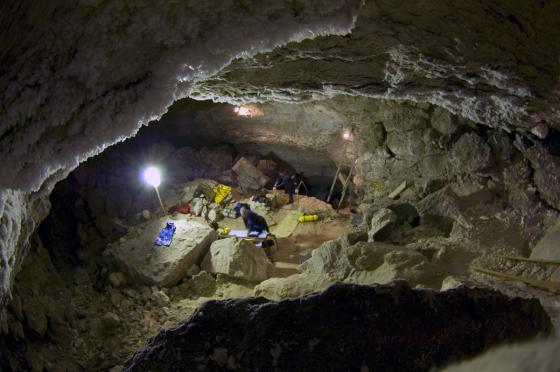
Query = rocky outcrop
x=352 y=259
x=340 y=328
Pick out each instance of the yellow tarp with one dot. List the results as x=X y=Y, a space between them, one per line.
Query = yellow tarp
x=288 y=224
x=222 y=191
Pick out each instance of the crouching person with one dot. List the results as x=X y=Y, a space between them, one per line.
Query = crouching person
x=253 y=222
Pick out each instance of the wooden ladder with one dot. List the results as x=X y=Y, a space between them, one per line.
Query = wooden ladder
x=344 y=180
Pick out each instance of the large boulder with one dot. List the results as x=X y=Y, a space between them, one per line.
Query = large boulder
x=470 y=153
x=381 y=223
x=345 y=328
x=250 y=177
x=329 y=260
x=149 y=264
x=546 y=169
x=237 y=258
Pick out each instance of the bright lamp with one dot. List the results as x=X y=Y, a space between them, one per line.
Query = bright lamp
x=152 y=176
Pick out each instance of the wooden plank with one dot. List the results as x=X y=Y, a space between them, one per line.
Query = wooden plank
x=345 y=187
x=334 y=181
x=543 y=284
x=398 y=190
x=532 y=260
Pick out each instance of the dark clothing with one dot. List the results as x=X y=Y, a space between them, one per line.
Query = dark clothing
x=289 y=183
x=254 y=222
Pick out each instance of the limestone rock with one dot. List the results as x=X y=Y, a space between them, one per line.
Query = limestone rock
x=116 y=298
x=546 y=172
x=193 y=270
x=110 y=322
x=328 y=260
x=291 y=286
x=160 y=298
x=469 y=154
x=540 y=130
x=380 y=224
x=368 y=256
x=237 y=258
x=260 y=334
x=451 y=282
x=399 y=264
x=203 y=284
x=117 y=279
x=502 y=146
x=146 y=214
x=164 y=266
x=521 y=191
x=250 y=177
x=443 y=122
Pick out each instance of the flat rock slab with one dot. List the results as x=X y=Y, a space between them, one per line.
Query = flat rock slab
x=149 y=264
x=345 y=328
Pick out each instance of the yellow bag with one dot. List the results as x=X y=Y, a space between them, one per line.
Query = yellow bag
x=222 y=191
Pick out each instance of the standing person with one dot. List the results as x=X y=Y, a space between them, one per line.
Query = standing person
x=289 y=183
x=253 y=222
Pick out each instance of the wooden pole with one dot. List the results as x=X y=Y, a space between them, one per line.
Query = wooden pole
x=544 y=284
x=159 y=198
x=532 y=260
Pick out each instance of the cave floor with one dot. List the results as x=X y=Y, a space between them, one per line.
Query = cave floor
x=93 y=325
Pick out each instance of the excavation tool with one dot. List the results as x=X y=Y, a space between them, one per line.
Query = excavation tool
x=543 y=284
